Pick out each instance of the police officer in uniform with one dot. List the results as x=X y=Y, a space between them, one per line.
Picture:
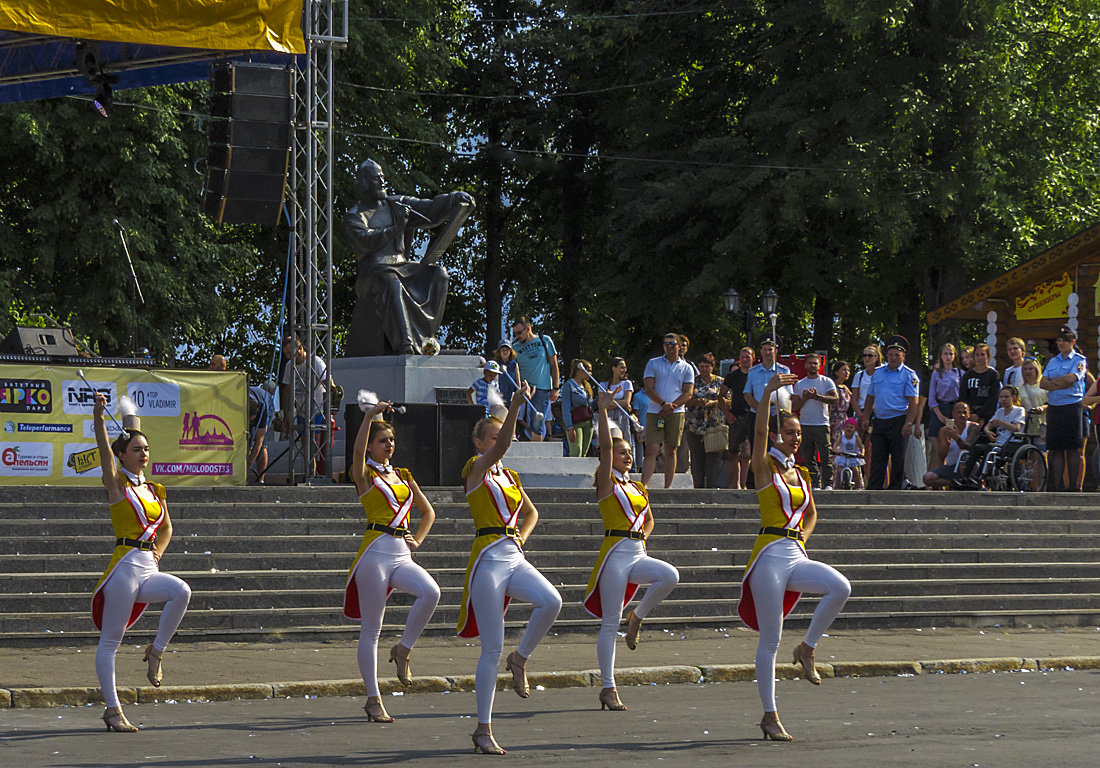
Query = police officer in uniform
x=1064 y=379
x=892 y=397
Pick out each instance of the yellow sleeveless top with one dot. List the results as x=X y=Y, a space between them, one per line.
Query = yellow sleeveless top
x=137 y=515
x=495 y=502
x=385 y=503
x=625 y=509
x=781 y=506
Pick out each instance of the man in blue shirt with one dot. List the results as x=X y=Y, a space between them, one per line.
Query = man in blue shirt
x=758 y=377
x=669 y=383
x=538 y=366
x=1064 y=379
x=892 y=397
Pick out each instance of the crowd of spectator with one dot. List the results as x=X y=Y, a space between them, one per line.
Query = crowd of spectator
x=886 y=424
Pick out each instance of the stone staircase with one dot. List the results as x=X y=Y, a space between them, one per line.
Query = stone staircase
x=271 y=562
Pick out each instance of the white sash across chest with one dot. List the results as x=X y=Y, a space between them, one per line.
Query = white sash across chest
x=624 y=498
x=400 y=509
x=149 y=527
x=793 y=515
x=496 y=483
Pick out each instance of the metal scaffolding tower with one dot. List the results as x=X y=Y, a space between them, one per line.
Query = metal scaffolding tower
x=309 y=309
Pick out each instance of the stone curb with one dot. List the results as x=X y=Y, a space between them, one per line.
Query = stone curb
x=22 y=698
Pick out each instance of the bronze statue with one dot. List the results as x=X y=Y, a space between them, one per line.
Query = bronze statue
x=399 y=302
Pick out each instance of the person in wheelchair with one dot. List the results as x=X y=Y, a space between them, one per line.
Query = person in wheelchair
x=1009 y=419
x=957 y=435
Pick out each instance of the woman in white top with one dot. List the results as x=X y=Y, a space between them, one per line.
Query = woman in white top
x=623 y=389
x=872 y=359
x=1033 y=398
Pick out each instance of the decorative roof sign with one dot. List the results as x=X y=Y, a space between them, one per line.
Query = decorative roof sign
x=1049 y=300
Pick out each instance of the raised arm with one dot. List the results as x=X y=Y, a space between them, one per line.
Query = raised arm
x=760 y=431
x=106 y=459
x=504 y=438
x=604 y=400
x=359 y=452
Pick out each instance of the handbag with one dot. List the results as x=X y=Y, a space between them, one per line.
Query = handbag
x=581 y=414
x=716 y=438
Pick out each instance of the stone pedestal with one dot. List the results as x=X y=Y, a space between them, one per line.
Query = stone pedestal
x=404 y=378
x=400 y=379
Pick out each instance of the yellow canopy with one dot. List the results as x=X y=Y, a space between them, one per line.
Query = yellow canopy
x=235 y=25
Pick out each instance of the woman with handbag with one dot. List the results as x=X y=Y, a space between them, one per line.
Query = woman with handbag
x=576 y=408
x=706 y=430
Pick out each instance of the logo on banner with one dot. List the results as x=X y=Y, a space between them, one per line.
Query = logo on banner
x=155 y=398
x=48 y=428
x=208 y=431
x=80 y=459
x=25 y=396
x=26 y=459
x=113 y=430
x=79 y=397
x=192 y=468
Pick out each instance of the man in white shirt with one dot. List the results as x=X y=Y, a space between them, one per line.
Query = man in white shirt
x=307 y=411
x=669 y=383
x=814 y=394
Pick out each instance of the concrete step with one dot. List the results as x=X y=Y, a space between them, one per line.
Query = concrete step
x=272 y=618
x=1074 y=577
x=247 y=594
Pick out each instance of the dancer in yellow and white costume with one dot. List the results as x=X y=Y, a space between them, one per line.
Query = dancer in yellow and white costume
x=622 y=563
x=497 y=570
x=384 y=561
x=132 y=580
x=779 y=570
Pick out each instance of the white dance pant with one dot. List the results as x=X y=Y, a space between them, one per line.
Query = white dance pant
x=388 y=563
x=628 y=562
x=136 y=579
x=784 y=566
x=503 y=570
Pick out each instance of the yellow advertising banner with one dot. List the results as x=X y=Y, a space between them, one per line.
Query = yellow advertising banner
x=233 y=25
x=1048 y=301
x=196 y=423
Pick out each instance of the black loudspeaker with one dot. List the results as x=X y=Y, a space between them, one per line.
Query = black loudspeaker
x=250 y=136
x=456 y=446
x=39 y=341
x=433 y=441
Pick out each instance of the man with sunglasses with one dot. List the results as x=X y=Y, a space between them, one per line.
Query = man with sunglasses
x=669 y=383
x=1064 y=380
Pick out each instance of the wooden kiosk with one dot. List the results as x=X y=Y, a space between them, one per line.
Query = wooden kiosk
x=1060 y=286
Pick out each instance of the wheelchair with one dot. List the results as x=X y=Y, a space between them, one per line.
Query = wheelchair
x=1018 y=465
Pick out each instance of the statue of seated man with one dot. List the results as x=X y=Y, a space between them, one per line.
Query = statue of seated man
x=399 y=303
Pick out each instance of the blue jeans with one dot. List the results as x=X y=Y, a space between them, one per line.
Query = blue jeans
x=540 y=398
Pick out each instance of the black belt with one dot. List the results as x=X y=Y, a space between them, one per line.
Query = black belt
x=508 y=530
x=399 y=532
x=636 y=535
x=148 y=546
x=786 y=533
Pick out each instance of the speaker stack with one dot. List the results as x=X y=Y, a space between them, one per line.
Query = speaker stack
x=250 y=135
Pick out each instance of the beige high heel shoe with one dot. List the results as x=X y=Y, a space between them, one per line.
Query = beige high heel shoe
x=154 y=672
x=116 y=721
x=609 y=699
x=402 y=662
x=774 y=730
x=519 y=676
x=376 y=713
x=806 y=661
x=486 y=744
x=633 y=627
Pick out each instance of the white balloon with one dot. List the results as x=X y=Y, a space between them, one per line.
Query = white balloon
x=991 y=316
x=1073 y=299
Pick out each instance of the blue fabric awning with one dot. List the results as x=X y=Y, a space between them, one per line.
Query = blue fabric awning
x=34 y=67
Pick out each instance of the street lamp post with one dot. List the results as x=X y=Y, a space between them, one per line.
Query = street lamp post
x=769 y=303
